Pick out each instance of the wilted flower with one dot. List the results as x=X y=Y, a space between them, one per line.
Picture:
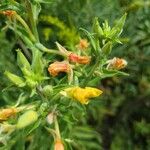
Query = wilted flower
x=116 y=63
x=9 y=13
x=7 y=113
x=50 y=118
x=79 y=59
x=55 y=68
x=83 y=94
x=72 y=57
x=83 y=44
x=58 y=145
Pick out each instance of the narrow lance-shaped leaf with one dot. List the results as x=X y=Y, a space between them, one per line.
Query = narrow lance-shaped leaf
x=37 y=65
x=98 y=32
x=96 y=27
x=111 y=73
x=36 y=8
x=15 y=79
x=22 y=61
x=107 y=48
x=119 y=25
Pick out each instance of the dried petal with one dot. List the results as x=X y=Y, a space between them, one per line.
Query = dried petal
x=117 y=63
x=79 y=59
x=57 y=67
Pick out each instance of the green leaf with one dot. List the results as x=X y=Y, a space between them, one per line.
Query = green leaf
x=36 y=8
x=119 y=25
x=42 y=1
x=12 y=5
x=15 y=79
x=96 y=27
x=106 y=49
x=110 y=73
x=22 y=61
x=37 y=64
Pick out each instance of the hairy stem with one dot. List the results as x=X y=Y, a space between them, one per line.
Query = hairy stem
x=25 y=26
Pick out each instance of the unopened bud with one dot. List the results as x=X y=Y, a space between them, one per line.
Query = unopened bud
x=83 y=44
x=48 y=90
x=58 y=145
x=27 y=118
x=9 y=13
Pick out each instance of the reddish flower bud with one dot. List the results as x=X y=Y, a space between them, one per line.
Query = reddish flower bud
x=58 y=145
x=9 y=13
x=55 y=68
x=79 y=59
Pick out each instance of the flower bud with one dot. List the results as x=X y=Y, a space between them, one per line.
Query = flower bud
x=15 y=79
x=47 y=90
x=83 y=44
x=116 y=63
x=55 y=68
x=27 y=118
x=9 y=13
x=58 y=145
x=72 y=57
x=79 y=59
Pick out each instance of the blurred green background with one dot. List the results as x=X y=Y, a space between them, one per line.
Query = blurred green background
x=121 y=119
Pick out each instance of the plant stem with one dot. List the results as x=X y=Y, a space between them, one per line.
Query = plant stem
x=51 y=51
x=25 y=26
x=32 y=20
x=85 y=82
x=25 y=50
x=57 y=128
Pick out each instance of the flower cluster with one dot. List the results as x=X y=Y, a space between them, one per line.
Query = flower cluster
x=64 y=66
x=84 y=64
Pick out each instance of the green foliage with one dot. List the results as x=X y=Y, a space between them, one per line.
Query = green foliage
x=118 y=120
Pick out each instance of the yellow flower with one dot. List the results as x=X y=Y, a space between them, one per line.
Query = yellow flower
x=83 y=94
